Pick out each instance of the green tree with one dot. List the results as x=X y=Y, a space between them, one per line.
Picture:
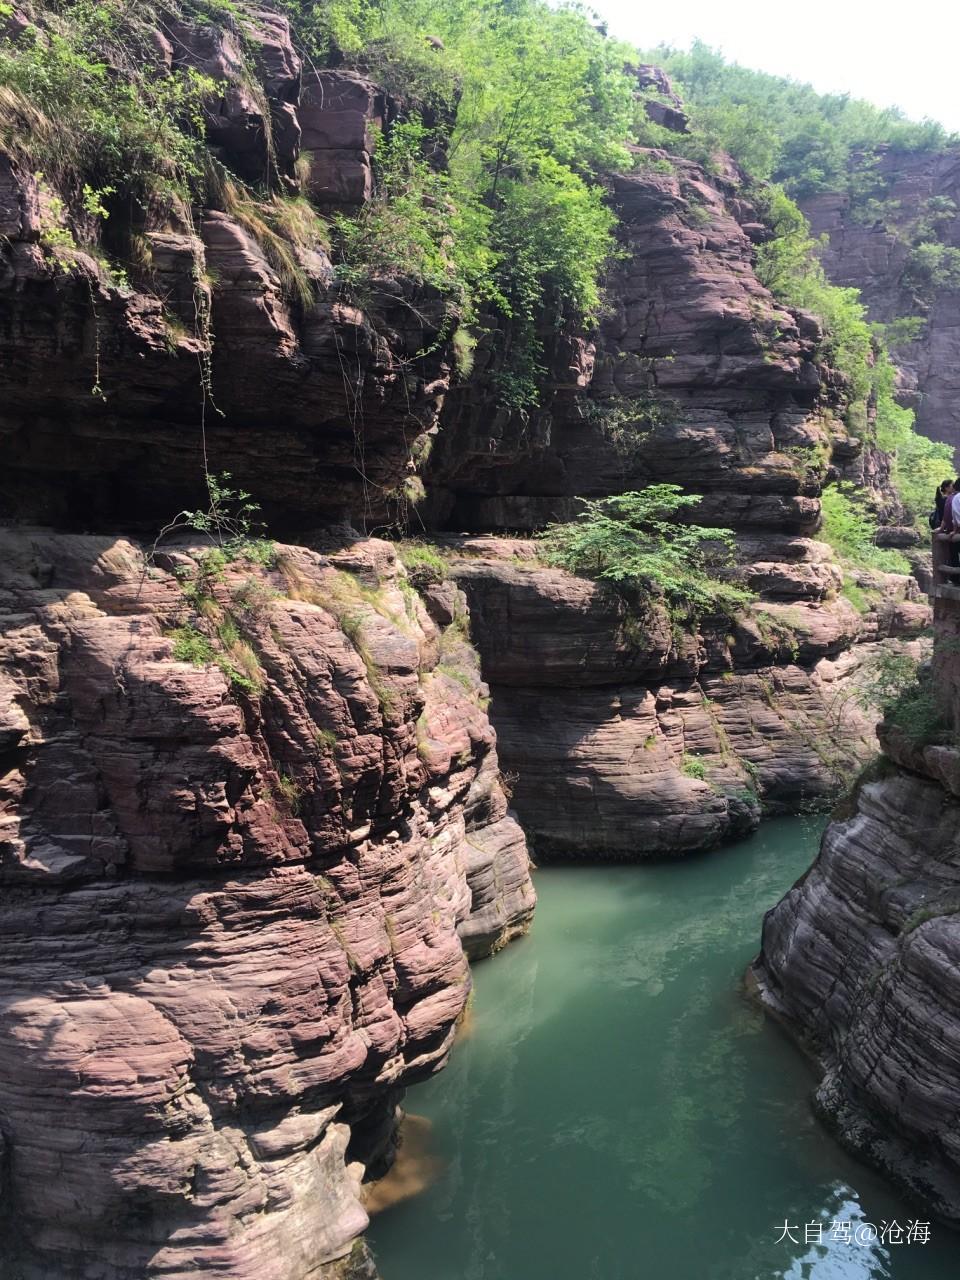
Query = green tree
x=641 y=544
x=851 y=530
x=812 y=141
x=536 y=102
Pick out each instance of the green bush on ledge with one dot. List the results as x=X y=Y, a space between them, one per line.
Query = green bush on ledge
x=639 y=543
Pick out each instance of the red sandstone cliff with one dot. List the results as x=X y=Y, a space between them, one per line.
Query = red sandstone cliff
x=860 y=958
x=235 y=923
x=236 y=916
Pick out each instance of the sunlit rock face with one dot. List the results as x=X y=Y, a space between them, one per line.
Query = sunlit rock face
x=871 y=251
x=623 y=738
x=237 y=899
x=241 y=886
x=696 y=376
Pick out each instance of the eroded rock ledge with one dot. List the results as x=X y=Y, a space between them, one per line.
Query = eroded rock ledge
x=235 y=922
x=860 y=962
x=624 y=738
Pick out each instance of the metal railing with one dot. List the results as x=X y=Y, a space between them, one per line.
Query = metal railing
x=946 y=568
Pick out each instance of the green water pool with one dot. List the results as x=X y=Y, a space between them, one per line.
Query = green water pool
x=618 y=1110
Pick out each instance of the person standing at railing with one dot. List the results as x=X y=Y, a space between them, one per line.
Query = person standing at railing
x=950 y=524
x=944 y=492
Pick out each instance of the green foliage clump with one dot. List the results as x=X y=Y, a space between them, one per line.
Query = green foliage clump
x=776 y=634
x=861 y=599
x=931 y=266
x=849 y=528
x=904 y=691
x=290 y=792
x=782 y=130
x=918 y=464
x=886 y=678
x=230 y=521
x=789 y=267
x=405 y=230
x=693 y=768
x=899 y=332
x=553 y=235
x=640 y=544
x=533 y=102
x=191 y=645
x=424 y=564
x=626 y=421
x=86 y=97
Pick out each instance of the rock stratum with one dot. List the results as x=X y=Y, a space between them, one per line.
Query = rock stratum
x=253 y=818
x=116 y=395
x=860 y=959
x=235 y=925
x=624 y=739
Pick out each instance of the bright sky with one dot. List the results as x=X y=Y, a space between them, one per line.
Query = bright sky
x=905 y=54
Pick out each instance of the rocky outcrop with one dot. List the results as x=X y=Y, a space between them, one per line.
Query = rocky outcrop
x=622 y=738
x=869 y=247
x=860 y=959
x=254 y=822
x=219 y=342
x=239 y=892
x=860 y=962
x=697 y=377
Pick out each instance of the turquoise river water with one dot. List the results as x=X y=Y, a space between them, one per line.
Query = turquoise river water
x=617 y=1110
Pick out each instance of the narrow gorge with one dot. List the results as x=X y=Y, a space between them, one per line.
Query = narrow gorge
x=429 y=450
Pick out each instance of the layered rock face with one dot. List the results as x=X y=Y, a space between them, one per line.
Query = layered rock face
x=238 y=898
x=625 y=739
x=871 y=253
x=622 y=738
x=254 y=824
x=113 y=391
x=697 y=377
x=860 y=960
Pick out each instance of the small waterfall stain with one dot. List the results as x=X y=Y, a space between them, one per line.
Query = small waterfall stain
x=416 y=1167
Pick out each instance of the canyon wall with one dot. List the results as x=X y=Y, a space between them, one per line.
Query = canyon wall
x=860 y=958
x=869 y=247
x=237 y=908
x=254 y=823
x=623 y=737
